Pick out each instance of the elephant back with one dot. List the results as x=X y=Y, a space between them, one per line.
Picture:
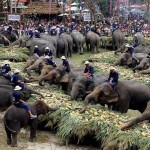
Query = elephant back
x=117 y=34
x=140 y=37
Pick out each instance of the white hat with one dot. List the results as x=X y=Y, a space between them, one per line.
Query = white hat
x=46 y=32
x=6 y=62
x=47 y=48
x=63 y=57
x=16 y=71
x=17 y=88
x=36 y=46
x=112 y=68
x=135 y=35
x=47 y=57
x=36 y=30
x=127 y=45
x=86 y=62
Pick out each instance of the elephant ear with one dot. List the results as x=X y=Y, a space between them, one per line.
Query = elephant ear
x=65 y=79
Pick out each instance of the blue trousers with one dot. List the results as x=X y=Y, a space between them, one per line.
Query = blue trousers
x=22 y=105
x=113 y=84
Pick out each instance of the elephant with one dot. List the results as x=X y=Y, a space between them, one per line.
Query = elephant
x=126 y=59
x=41 y=60
x=69 y=41
x=81 y=86
x=138 y=49
x=45 y=70
x=62 y=47
x=13 y=121
x=143 y=65
x=78 y=41
x=147 y=71
x=51 y=39
x=4 y=40
x=128 y=94
x=93 y=40
x=30 y=43
x=118 y=39
x=6 y=95
x=30 y=62
x=140 y=37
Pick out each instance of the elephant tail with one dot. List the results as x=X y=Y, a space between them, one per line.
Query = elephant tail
x=7 y=127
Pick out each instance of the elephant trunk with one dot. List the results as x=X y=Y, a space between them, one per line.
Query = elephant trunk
x=17 y=42
x=74 y=93
x=35 y=92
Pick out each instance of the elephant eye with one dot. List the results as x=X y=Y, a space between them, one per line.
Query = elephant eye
x=101 y=94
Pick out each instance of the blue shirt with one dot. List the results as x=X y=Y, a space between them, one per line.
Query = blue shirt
x=37 y=35
x=115 y=26
x=62 y=30
x=31 y=34
x=6 y=68
x=136 y=42
x=66 y=65
x=17 y=96
x=90 y=70
x=48 y=52
x=37 y=51
x=15 y=78
x=114 y=76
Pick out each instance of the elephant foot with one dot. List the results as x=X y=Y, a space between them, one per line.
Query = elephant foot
x=14 y=145
x=81 y=53
x=8 y=142
x=133 y=71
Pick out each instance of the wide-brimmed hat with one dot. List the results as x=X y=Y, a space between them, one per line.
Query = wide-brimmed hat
x=127 y=45
x=63 y=57
x=46 y=57
x=17 y=88
x=16 y=71
x=86 y=62
x=112 y=68
x=36 y=46
x=47 y=48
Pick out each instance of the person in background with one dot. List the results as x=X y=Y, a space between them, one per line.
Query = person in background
x=37 y=34
x=65 y=63
x=30 y=33
x=19 y=102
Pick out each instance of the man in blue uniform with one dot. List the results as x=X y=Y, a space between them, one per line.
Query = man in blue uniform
x=9 y=29
x=50 y=61
x=6 y=70
x=113 y=77
x=62 y=29
x=48 y=52
x=18 y=101
x=115 y=26
x=131 y=50
x=37 y=34
x=88 y=71
x=30 y=33
x=36 y=51
x=16 y=79
x=65 y=64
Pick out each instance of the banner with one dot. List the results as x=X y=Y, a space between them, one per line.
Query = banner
x=87 y=17
x=13 y=17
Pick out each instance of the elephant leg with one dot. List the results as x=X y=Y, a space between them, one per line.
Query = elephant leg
x=8 y=136
x=87 y=45
x=14 y=140
x=33 y=128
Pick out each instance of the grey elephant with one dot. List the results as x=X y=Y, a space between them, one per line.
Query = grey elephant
x=40 y=61
x=6 y=95
x=147 y=71
x=92 y=41
x=81 y=86
x=78 y=41
x=118 y=39
x=143 y=65
x=126 y=59
x=140 y=37
x=129 y=94
x=13 y=121
x=69 y=41
x=32 y=42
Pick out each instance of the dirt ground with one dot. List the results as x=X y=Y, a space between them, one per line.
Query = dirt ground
x=45 y=141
